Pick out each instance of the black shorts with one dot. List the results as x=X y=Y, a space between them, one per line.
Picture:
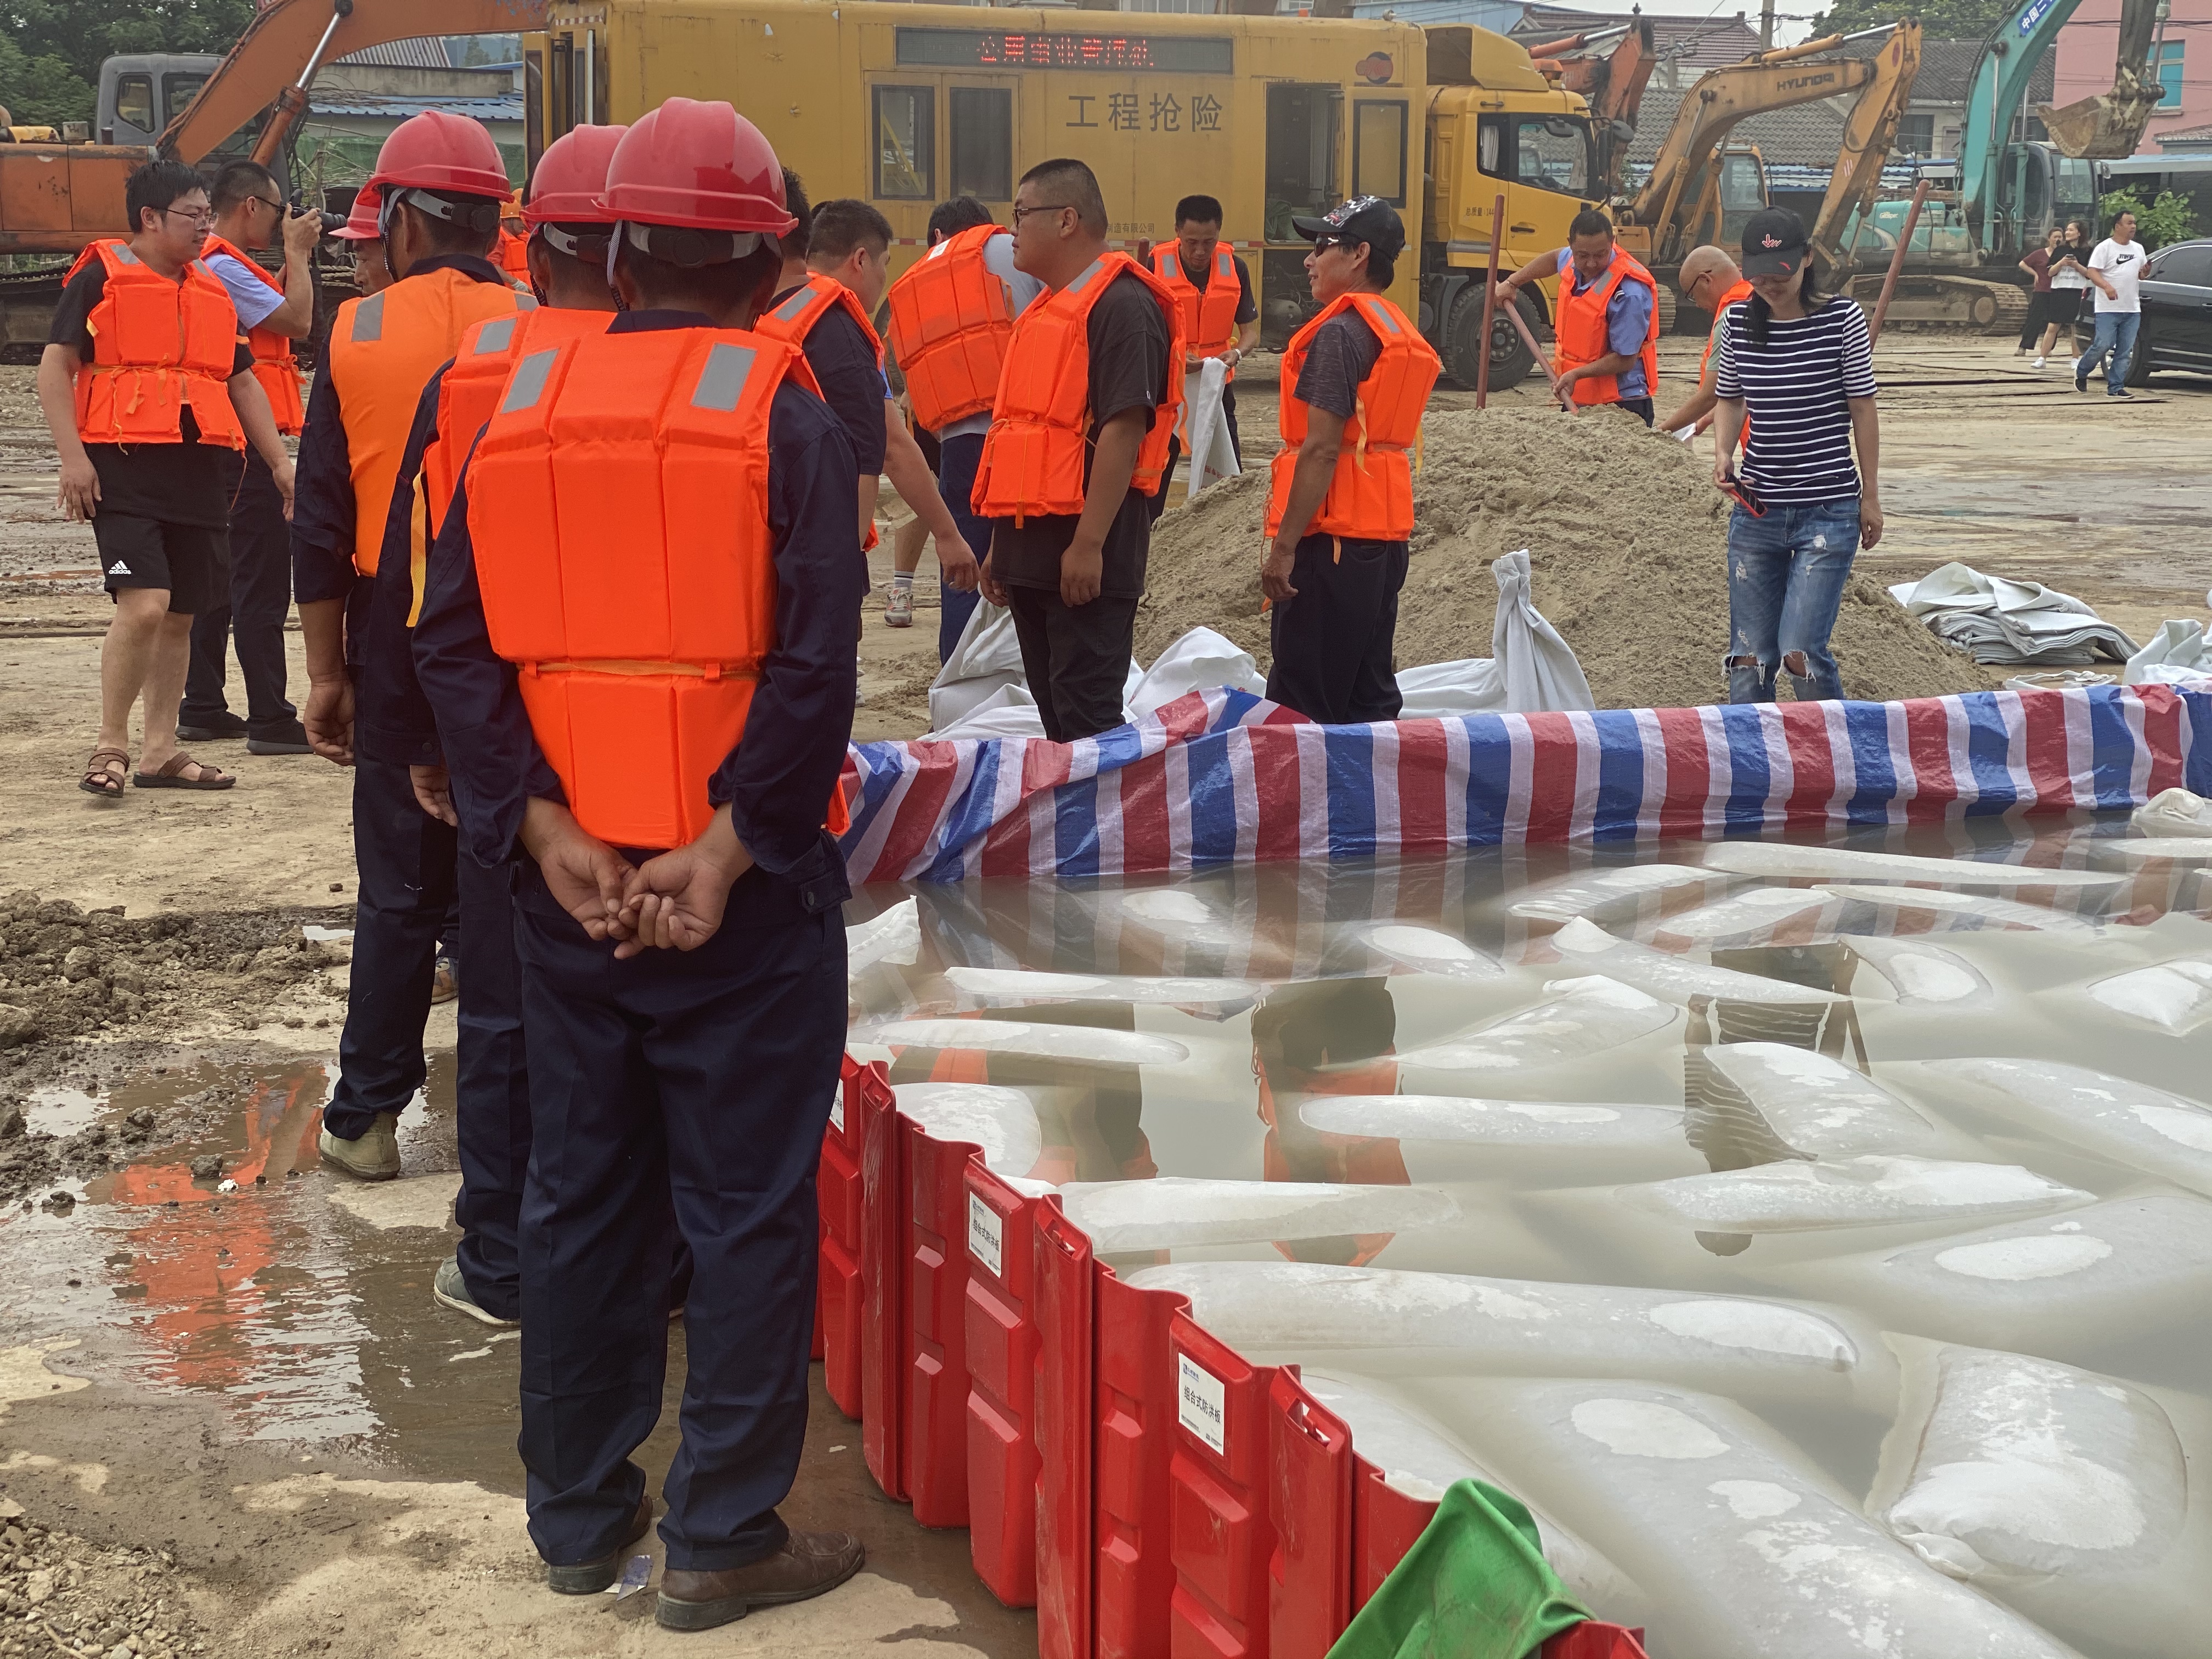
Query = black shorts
x=2063 y=305
x=932 y=451
x=191 y=560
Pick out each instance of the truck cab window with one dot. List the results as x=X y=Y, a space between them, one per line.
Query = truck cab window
x=980 y=131
x=1552 y=152
x=179 y=90
x=134 y=103
x=905 y=133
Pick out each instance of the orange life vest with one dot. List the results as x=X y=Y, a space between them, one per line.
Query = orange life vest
x=512 y=255
x=1742 y=290
x=794 y=319
x=618 y=508
x=1033 y=457
x=274 y=364
x=951 y=320
x=383 y=350
x=1580 y=329
x=1370 y=497
x=158 y=347
x=1209 y=314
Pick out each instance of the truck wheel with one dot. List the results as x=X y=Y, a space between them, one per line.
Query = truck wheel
x=1509 y=360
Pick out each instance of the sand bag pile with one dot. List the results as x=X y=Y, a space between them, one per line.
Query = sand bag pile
x=1628 y=537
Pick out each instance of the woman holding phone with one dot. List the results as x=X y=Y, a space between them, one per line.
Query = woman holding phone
x=1800 y=365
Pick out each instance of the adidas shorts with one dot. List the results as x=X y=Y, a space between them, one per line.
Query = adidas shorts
x=191 y=560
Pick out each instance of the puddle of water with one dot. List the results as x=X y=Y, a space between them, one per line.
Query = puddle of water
x=60 y=1111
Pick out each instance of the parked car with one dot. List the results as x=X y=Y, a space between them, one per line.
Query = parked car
x=2177 y=312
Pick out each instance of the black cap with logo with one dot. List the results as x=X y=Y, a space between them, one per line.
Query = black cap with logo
x=1774 y=243
x=1368 y=219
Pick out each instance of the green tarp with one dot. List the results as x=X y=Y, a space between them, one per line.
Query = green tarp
x=1475 y=1585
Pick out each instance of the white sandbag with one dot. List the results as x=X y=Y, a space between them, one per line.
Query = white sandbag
x=1960 y=910
x=1924 y=975
x=2175 y=996
x=1009 y=711
x=1871 y=1191
x=1586 y=1126
x=1747 y=1550
x=1003 y=1123
x=2174 y=812
x=986 y=658
x=1199 y=659
x=1595 y=893
x=1781 y=859
x=1583 y=1017
x=2131 y=1123
x=1411 y=1323
x=2175 y=653
x=893 y=936
x=1672 y=977
x=2172 y=849
x=1427 y=950
x=1419 y=1457
x=1084 y=1043
x=1171 y=1212
x=1820 y=1107
x=1747 y=919
x=1444 y=690
x=2107 y=1273
x=1204 y=432
x=1529 y=666
x=2063 y=1493
x=1018 y=985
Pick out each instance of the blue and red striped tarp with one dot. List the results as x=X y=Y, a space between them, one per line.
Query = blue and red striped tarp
x=1222 y=776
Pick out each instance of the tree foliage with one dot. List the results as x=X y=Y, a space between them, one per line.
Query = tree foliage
x=51 y=50
x=42 y=91
x=2170 y=218
x=1941 y=19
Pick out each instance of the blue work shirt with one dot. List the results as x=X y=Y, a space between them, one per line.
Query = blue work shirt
x=1628 y=321
x=323 y=506
x=777 y=781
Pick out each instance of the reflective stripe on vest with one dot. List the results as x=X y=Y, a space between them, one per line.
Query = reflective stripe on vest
x=275 y=365
x=1209 y=314
x=1371 y=494
x=1033 y=459
x=383 y=350
x=1580 y=329
x=795 y=319
x=950 y=318
x=159 y=347
x=624 y=551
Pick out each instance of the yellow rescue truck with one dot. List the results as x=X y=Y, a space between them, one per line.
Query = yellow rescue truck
x=904 y=106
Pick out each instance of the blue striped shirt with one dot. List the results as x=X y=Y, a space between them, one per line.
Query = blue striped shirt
x=1794 y=390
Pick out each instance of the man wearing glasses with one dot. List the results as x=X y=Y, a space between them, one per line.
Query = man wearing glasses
x=1710 y=281
x=145 y=383
x=249 y=213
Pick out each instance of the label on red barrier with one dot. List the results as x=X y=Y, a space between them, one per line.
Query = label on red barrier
x=1202 y=1403
x=986 y=1240
x=837 y=1108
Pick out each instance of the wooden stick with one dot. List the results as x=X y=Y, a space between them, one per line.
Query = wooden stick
x=1490 y=302
x=1897 y=262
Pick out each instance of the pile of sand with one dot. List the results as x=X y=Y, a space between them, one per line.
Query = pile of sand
x=1627 y=538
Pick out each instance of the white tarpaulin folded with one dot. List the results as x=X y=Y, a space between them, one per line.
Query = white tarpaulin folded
x=1205 y=435
x=1529 y=666
x=2176 y=653
x=2001 y=621
x=1197 y=661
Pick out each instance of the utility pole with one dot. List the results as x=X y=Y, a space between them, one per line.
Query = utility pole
x=1765 y=25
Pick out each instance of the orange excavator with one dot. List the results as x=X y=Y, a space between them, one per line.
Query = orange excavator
x=1610 y=68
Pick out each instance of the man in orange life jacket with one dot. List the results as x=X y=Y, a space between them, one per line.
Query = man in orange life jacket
x=1607 y=322
x=393 y=724
x=371 y=273
x=440 y=182
x=249 y=213
x=653 y=743
x=1710 y=281
x=1341 y=507
x=951 y=315
x=144 y=382
x=1220 y=319
x=1078 y=449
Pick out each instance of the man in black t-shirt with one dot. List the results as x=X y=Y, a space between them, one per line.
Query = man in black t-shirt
x=1191 y=259
x=1073 y=580
x=156 y=505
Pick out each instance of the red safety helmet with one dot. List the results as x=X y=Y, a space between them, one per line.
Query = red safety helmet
x=438 y=150
x=699 y=165
x=566 y=185
x=361 y=222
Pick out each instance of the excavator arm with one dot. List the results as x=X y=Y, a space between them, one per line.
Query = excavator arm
x=1611 y=84
x=1868 y=131
x=2110 y=124
x=276 y=59
x=1723 y=97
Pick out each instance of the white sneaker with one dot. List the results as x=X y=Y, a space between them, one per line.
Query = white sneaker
x=374 y=1156
x=898 y=607
x=2037 y=363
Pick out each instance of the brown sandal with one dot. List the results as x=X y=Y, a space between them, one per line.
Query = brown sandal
x=171 y=776
x=101 y=777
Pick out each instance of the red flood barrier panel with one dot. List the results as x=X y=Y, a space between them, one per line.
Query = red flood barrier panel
x=1135 y=1411
x=840 y=1300
x=1065 y=1283
x=885 y=1229
x=1309 y=1495
x=934 y=1437
x=1220 y=1489
x=999 y=1302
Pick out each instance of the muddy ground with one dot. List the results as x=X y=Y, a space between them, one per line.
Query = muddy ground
x=232 y=1422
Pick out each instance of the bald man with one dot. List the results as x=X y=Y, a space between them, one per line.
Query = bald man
x=1711 y=280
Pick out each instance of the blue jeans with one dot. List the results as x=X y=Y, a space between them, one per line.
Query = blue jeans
x=2115 y=333
x=956 y=460
x=1786 y=575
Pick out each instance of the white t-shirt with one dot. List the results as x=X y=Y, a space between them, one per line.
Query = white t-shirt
x=2122 y=263
x=2066 y=277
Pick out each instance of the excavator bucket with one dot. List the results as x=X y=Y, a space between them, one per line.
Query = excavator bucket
x=2104 y=128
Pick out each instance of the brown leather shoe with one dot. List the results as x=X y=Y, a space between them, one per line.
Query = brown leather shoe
x=808 y=1564
x=590 y=1577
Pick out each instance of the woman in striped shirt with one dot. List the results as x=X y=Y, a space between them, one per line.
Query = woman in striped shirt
x=1799 y=366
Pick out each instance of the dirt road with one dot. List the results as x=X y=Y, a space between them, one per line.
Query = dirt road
x=246 y=1424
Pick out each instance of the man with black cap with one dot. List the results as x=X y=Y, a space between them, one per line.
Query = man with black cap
x=1340 y=501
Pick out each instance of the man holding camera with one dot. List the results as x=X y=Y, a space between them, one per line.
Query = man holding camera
x=249 y=213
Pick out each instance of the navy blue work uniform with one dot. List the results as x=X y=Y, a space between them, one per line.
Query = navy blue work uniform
x=407 y=899
x=698 y=1079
